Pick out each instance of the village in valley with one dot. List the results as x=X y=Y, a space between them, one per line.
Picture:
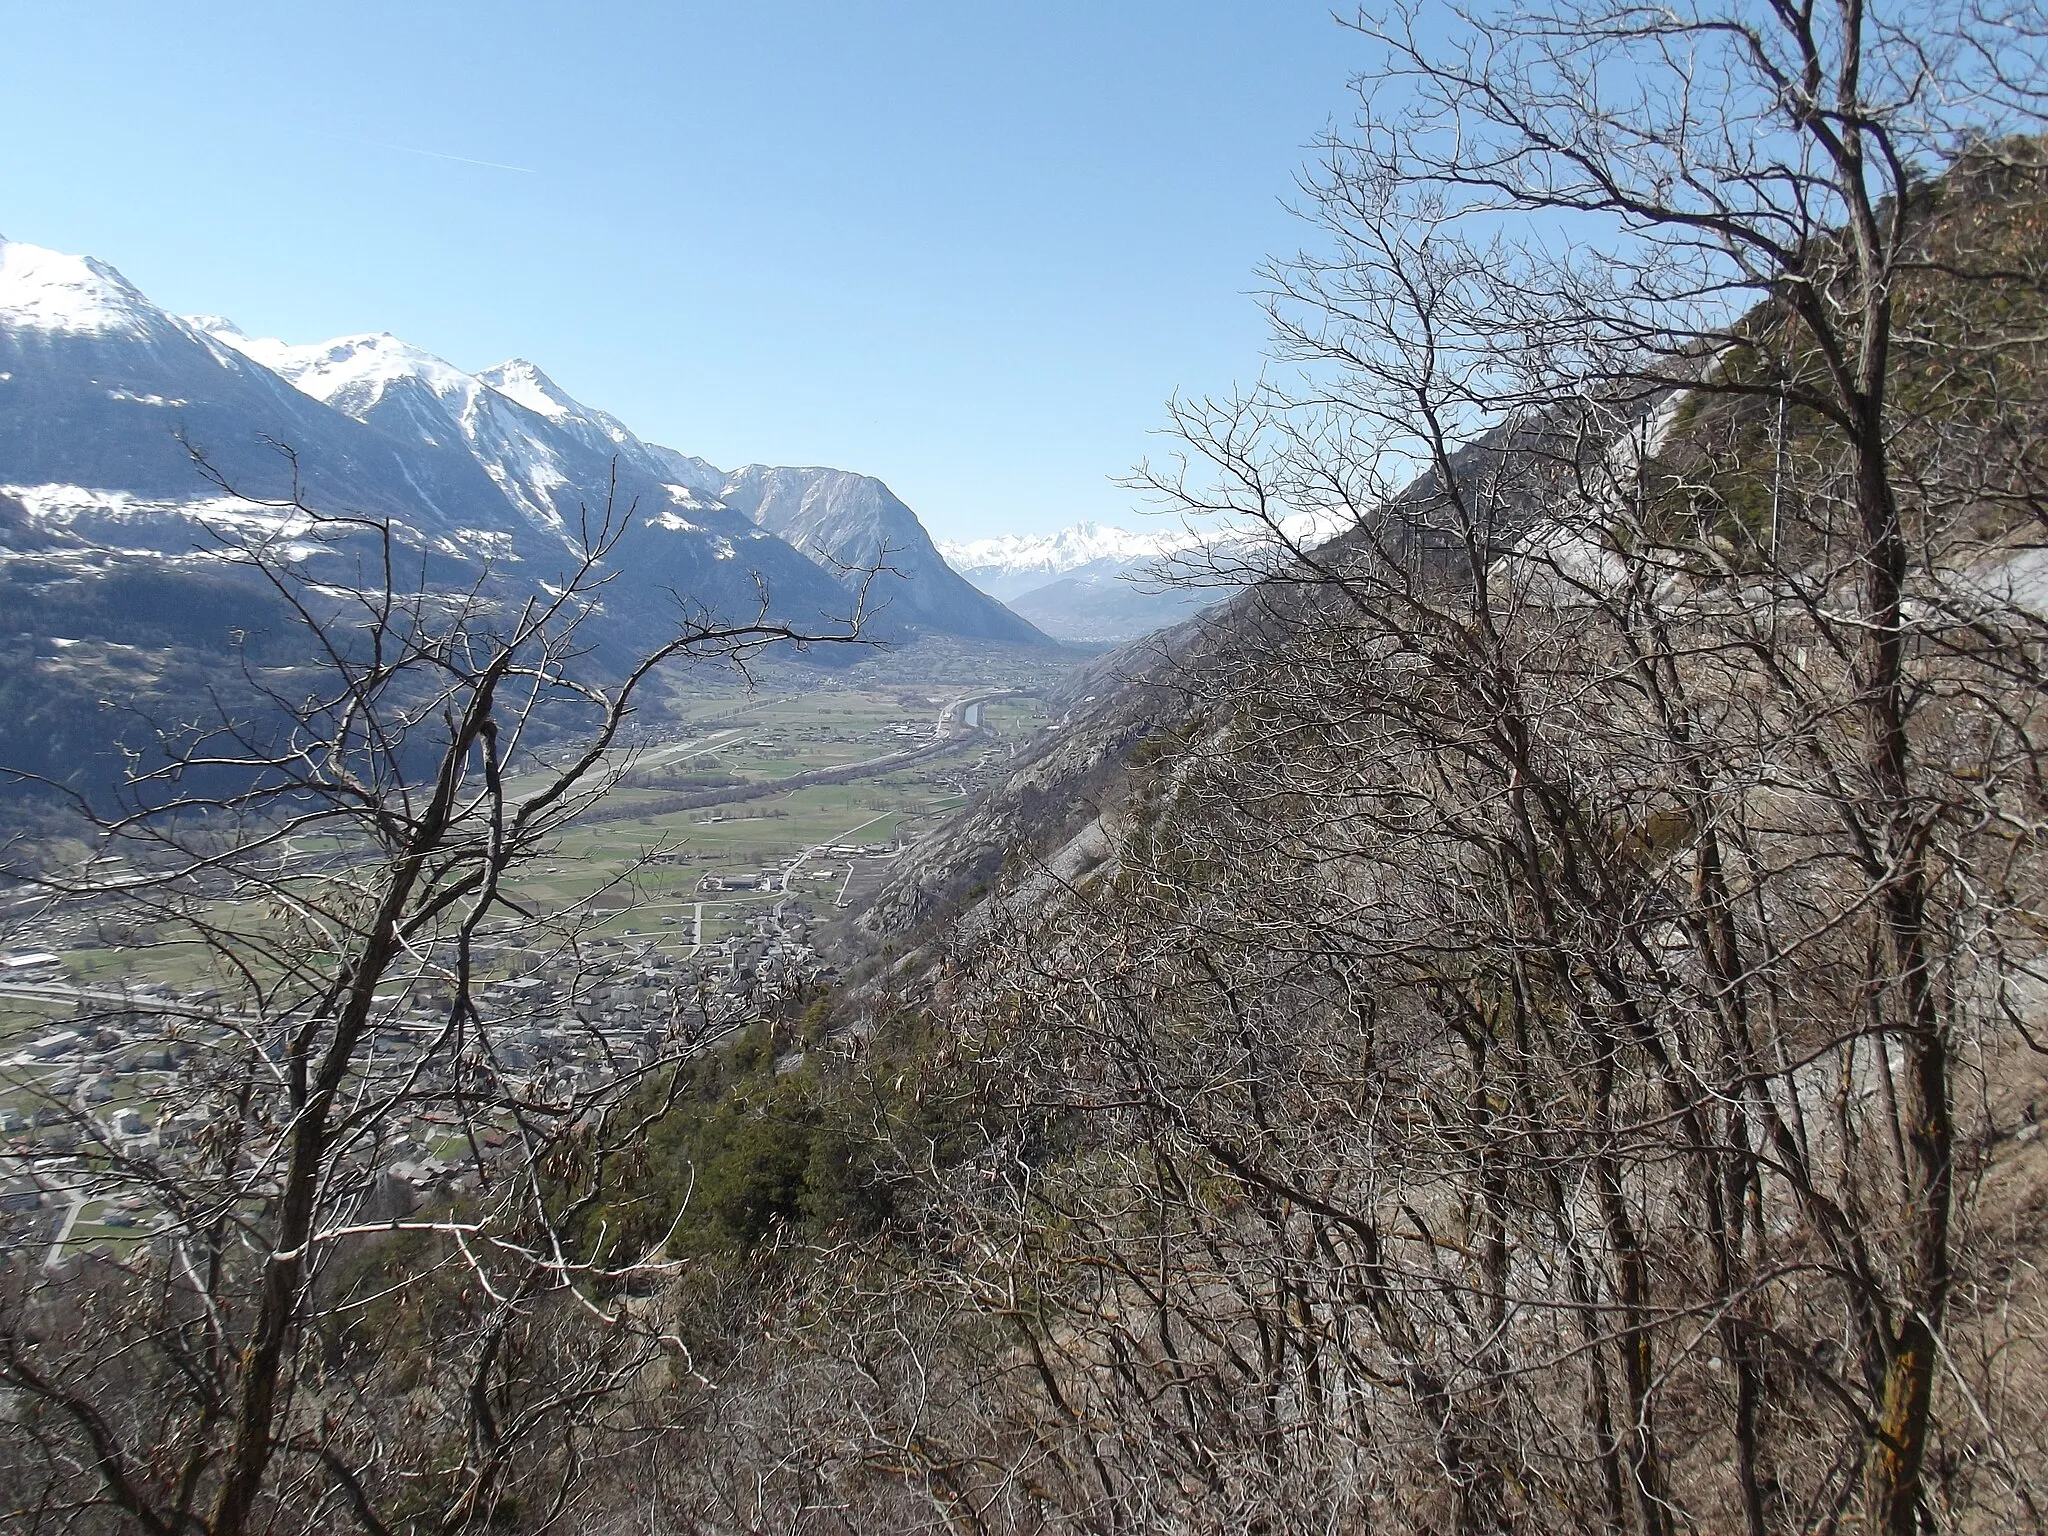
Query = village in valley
x=719 y=879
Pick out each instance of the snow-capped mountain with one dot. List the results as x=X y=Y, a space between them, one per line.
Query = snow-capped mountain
x=501 y=465
x=527 y=432
x=104 y=398
x=109 y=530
x=855 y=525
x=56 y=294
x=1096 y=584
x=553 y=456
x=554 y=459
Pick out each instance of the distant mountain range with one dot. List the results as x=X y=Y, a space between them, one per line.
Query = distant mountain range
x=101 y=389
x=1094 y=584
x=1016 y=563
x=111 y=585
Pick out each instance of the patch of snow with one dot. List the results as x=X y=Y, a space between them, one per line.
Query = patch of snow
x=494 y=542
x=63 y=505
x=519 y=493
x=122 y=394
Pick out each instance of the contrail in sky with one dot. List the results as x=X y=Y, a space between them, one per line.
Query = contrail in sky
x=431 y=154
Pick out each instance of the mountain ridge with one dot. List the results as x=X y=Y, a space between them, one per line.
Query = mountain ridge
x=1011 y=564
x=110 y=397
x=542 y=446
x=855 y=525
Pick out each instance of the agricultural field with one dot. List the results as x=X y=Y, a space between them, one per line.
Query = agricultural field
x=739 y=799
x=720 y=819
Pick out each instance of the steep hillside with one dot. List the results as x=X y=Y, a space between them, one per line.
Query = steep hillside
x=1250 y=592
x=1074 y=780
x=1499 y=977
x=852 y=524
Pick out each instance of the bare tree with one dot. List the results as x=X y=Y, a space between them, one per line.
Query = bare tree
x=1531 y=1055
x=305 y=1330
x=1587 y=204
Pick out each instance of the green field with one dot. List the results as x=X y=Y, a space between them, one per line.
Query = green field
x=641 y=861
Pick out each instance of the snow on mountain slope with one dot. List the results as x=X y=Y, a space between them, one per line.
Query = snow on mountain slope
x=105 y=398
x=383 y=381
x=547 y=452
x=352 y=373
x=523 y=382
x=560 y=462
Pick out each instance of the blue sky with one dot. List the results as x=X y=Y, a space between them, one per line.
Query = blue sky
x=969 y=247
